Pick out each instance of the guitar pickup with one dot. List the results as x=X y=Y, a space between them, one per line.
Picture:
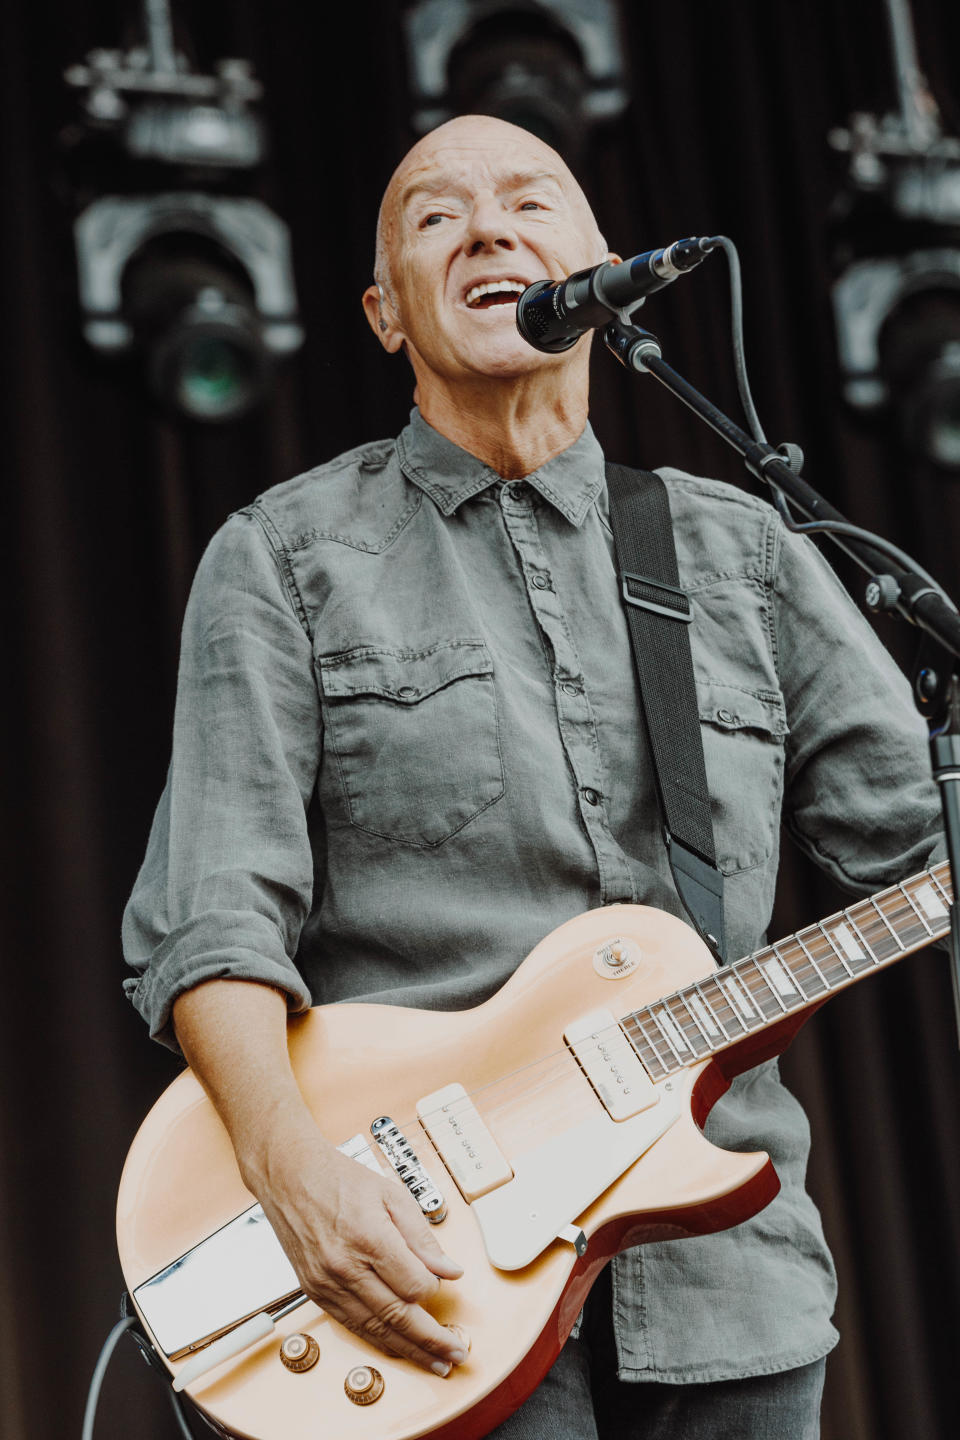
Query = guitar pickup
x=463 y=1142
x=611 y=1064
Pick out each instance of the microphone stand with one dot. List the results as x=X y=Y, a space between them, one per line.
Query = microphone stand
x=901 y=587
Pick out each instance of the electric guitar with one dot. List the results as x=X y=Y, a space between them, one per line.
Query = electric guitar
x=543 y=1131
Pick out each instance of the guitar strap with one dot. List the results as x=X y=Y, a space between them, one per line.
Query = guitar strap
x=658 y=614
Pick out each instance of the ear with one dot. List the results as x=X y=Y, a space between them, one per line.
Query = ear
x=381 y=319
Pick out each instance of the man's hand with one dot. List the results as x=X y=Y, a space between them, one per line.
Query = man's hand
x=358 y=1242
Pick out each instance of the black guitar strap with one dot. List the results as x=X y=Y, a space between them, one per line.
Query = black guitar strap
x=658 y=614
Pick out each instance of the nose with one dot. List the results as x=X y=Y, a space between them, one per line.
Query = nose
x=489 y=227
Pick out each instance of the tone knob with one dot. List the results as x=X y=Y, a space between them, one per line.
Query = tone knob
x=299 y=1352
x=363 y=1385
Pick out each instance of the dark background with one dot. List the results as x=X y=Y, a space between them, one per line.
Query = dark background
x=109 y=504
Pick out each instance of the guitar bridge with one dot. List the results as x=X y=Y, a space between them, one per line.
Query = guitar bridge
x=402 y=1158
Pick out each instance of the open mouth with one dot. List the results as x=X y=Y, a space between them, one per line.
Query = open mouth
x=494 y=292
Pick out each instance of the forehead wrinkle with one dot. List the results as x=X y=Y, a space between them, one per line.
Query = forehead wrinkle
x=464 y=184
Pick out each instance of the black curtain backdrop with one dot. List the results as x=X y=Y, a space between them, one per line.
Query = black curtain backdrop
x=109 y=505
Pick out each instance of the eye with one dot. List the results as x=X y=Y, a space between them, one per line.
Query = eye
x=531 y=205
x=433 y=218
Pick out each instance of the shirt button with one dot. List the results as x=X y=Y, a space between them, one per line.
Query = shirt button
x=570 y=689
x=517 y=491
x=591 y=796
x=726 y=717
x=406 y=692
x=541 y=581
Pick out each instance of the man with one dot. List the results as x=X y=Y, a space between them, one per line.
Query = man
x=407 y=746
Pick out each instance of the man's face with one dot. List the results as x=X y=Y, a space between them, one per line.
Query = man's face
x=478 y=211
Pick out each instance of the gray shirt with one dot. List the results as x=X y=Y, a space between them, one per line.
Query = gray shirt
x=407 y=746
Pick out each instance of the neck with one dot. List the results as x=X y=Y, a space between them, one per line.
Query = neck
x=514 y=425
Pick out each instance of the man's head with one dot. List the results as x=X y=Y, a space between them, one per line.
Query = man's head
x=474 y=213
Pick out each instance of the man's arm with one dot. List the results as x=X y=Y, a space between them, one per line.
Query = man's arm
x=359 y=1245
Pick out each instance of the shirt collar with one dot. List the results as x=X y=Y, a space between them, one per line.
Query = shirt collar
x=571 y=481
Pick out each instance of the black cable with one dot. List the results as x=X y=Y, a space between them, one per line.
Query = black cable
x=100 y=1370
x=721 y=242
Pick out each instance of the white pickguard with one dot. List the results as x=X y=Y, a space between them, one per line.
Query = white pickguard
x=555 y=1182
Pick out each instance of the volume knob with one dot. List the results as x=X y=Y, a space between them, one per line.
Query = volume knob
x=299 y=1352
x=363 y=1385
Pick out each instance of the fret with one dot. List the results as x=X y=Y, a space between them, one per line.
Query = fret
x=653 y=1043
x=862 y=938
x=795 y=966
x=689 y=1028
x=909 y=899
x=879 y=910
x=789 y=967
x=768 y=988
x=723 y=1007
x=641 y=1043
x=810 y=956
x=836 y=949
x=666 y=1029
x=740 y=1001
x=713 y=1018
x=947 y=899
x=697 y=1009
x=781 y=979
x=930 y=902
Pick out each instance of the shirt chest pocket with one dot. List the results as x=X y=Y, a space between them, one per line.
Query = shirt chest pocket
x=415 y=738
x=743 y=747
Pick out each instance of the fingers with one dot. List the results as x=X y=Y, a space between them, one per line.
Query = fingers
x=372 y=1310
x=420 y=1238
x=370 y=1279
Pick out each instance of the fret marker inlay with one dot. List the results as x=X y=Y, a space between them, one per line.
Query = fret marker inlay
x=737 y=997
x=703 y=1015
x=778 y=977
x=844 y=937
x=930 y=902
x=673 y=1033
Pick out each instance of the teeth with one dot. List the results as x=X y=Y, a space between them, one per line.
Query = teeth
x=491 y=287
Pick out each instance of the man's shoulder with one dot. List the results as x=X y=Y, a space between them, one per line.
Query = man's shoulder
x=699 y=489
x=357 y=498
x=722 y=529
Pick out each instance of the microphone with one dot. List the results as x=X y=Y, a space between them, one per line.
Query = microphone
x=553 y=314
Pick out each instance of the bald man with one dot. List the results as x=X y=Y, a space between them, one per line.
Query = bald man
x=407 y=747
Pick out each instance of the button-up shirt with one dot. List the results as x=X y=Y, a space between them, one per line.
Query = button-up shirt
x=407 y=746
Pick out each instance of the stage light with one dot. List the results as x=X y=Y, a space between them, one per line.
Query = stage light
x=896 y=297
x=197 y=284
x=553 y=66
x=200 y=286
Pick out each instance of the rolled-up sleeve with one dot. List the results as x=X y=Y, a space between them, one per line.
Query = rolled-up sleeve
x=227 y=879
x=861 y=799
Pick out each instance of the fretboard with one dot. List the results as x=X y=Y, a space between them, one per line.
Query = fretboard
x=792 y=975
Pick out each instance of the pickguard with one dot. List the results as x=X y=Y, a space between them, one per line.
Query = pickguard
x=556 y=1181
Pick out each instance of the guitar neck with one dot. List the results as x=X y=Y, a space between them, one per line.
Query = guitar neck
x=791 y=977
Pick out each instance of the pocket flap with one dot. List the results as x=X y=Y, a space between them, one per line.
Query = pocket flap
x=405 y=676
x=731 y=708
